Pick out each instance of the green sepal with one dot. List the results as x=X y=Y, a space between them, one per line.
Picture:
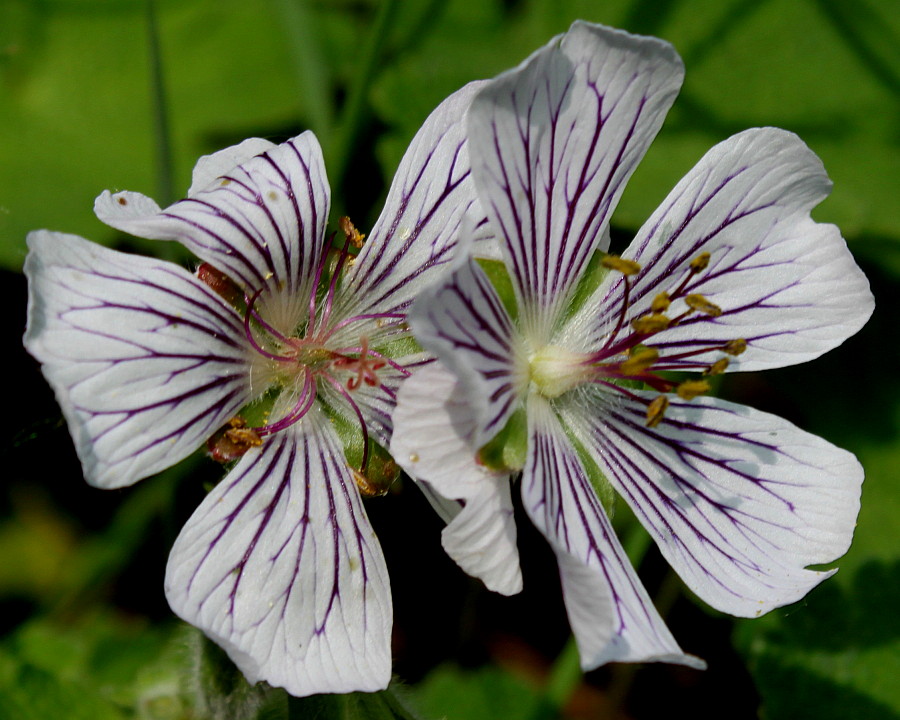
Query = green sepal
x=257 y=413
x=590 y=280
x=508 y=449
x=499 y=277
x=602 y=487
x=380 y=471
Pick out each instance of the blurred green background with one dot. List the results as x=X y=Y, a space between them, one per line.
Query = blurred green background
x=126 y=94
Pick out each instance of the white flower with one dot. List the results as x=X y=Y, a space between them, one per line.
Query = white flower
x=279 y=564
x=731 y=273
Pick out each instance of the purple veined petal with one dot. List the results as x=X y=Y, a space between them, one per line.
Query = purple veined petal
x=414 y=238
x=280 y=566
x=785 y=284
x=740 y=502
x=262 y=223
x=611 y=615
x=146 y=361
x=462 y=320
x=553 y=143
x=434 y=427
x=210 y=168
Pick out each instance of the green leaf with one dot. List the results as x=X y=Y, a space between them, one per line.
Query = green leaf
x=384 y=705
x=76 y=104
x=836 y=654
x=484 y=694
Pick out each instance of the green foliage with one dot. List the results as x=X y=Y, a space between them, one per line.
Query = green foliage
x=77 y=116
x=484 y=694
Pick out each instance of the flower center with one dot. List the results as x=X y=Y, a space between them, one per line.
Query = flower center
x=555 y=370
x=317 y=357
x=627 y=354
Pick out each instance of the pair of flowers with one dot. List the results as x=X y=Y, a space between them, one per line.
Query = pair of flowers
x=295 y=357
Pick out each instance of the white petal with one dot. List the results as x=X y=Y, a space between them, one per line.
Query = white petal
x=280 y=566
x=611 y=615
x=482 y=538
x=415 y=236
x=262 y=224
x=210 y=168
x=784 y=283
x=739 y=501
x=553 y=143
x=434 y=427
x=462 y=320
x=146 y=361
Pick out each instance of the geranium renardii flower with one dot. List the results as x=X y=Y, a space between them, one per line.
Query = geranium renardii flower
x=556 y=365
x=279 y=564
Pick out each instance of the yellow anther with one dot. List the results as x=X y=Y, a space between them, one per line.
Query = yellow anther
x=656 y=410
x=735 y=347
x=649 y=324
x=700 y=262
x=626 y=267
x=639 y=361
x=701 y=304
x=349 y=229
x=717 y=368
x=690 y=389
x=661 y=303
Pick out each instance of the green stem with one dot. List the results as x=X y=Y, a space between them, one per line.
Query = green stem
x=310 y=68
x=161 y=131
x=355 y=109
x=565 y=677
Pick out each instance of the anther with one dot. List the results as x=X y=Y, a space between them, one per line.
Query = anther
x=232 y=442
x=735 y=347
x=367 y=488
x=661 y=303
x=700 y=262
x=690 y=389
x=223 y=285
x=718 y=367
x=701 y=304
x=626 y=267
x=639 y=361
x=649 y=324
x=656 y=410
x=349 y=229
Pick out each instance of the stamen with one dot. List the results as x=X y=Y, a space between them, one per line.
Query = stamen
x=701 y=262
x=315 y=284
x=332 y=286
x=640 y=361
x=304 y=403
x=223 y=285
x=656 y=410
x=661 y=303
x=366 y=487
x=690 y=389
x=232 y=442
x=701 y=304
x=626 y=267
x=735 y=347
x=248 y=331
x=350 y=231
x=649 y=324
x=718 y=367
